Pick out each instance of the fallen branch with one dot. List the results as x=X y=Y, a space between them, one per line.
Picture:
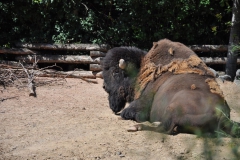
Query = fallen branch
x=3 y=99
x=6 y=77
x=91 y=80
x=30 y=78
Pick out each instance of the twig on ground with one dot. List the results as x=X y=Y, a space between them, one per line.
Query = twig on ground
x=22 y=75
x=3 y=99
x=30 y=77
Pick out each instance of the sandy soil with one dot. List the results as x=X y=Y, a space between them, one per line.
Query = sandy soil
x=71 y=120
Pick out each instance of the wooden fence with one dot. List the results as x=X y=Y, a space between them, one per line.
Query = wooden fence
x=28 y=54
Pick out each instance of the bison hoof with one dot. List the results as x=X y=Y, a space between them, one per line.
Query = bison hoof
x=156 y=124
x=135 y=128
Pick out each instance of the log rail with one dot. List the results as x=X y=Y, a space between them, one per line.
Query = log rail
x=29 y=53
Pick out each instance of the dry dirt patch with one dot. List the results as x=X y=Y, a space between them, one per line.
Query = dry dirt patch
x=72 y=120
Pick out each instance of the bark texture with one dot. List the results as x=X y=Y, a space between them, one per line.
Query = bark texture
x=232 y=55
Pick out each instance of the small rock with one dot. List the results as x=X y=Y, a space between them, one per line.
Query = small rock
x=119 y=153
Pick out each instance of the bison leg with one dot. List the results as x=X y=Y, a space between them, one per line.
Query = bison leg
x=155 y=126
x=136 y=111
x=139 y=110
x=129 y=113
x=144 y=126
x=171 y=128
x=135 y=128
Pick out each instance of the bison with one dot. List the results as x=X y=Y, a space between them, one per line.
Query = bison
x=170 y=84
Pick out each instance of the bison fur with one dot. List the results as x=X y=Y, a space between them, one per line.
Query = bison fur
x=119 y=83
x=170 y=84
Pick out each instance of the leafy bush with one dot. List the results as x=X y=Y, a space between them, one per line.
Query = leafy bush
x=115 y=22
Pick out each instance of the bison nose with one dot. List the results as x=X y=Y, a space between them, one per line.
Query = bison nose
x=104 y=85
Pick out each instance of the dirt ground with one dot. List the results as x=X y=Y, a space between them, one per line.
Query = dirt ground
x=71 y=120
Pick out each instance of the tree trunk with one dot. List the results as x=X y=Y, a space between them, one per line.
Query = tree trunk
x=231 y=65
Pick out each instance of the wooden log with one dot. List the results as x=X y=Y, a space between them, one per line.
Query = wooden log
x=68 y=74
x=209 y=48
x=97 y=54
x=13 y=64
x=90 y=80
x=98 y=60
x=207 y=60
x=57 y=59
x=95 y=67
x=74 y=47
x=54 y=73
x=216 y=60
x=98 y=74
x=17 y=51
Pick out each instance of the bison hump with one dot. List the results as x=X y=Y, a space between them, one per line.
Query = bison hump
x=167 y=56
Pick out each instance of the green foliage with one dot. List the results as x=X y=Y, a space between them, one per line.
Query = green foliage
x=236 y=49
x=115 y=22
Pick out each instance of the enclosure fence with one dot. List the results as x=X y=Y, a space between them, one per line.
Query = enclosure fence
x=83 y=60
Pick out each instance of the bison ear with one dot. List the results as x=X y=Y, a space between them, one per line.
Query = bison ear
x=122 y=64
x=155 y=44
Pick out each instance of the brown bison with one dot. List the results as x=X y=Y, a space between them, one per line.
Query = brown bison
x=170 y=84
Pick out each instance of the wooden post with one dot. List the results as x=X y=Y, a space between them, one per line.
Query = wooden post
x=95 y=67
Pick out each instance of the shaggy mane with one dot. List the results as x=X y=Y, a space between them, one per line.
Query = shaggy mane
x=167 y=56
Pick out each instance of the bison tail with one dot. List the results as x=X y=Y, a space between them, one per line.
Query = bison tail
x=227 y=127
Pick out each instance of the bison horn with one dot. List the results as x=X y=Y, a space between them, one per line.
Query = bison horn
x=122 y=64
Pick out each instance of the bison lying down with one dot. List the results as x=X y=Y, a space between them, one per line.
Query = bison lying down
x=170 y=84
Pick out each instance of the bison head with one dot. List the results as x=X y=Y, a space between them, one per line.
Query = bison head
x=120 y=68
